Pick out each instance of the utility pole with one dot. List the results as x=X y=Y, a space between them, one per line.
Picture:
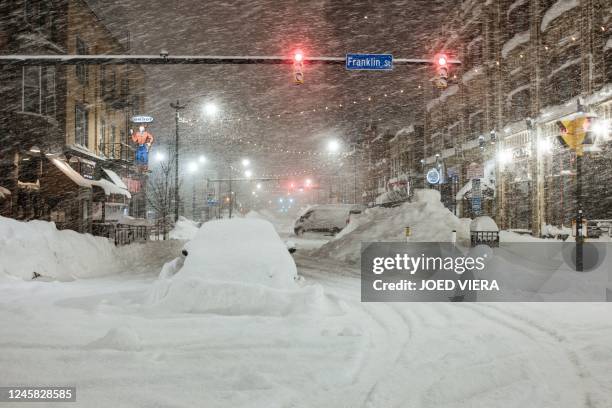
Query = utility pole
x=231 y=198
x=177 y=108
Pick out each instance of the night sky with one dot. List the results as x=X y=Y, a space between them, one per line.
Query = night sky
x=264 y=27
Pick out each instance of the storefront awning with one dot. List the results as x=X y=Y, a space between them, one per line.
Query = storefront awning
x=111 y=188
x=484 y=184
x=71 y=173
x=114 y=177
x=4 y=193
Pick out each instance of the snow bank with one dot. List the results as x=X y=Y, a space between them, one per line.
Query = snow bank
x=37 y=246
x=236 y=267
x=184 y=229
x=121 y=339
x=428 y=219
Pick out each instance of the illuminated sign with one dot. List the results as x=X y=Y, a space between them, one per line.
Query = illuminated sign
x=433 y=176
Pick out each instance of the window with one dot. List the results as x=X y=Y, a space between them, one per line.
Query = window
x=477 y=123
x=31 y=89
x=81 y=131
x=81 y=70
x=519 y=103
x=38 y=90
x=48 y=91
x=113 y=140
x=103 y=141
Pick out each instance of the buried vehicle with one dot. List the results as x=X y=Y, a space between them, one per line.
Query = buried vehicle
x=331 y=218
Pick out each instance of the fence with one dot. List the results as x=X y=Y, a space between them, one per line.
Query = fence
x=122 y=234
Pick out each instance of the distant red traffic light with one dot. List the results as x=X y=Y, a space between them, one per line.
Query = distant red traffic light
x=298 y=56
x=442 y=60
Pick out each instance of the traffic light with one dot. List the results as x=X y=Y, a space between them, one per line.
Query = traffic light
x=575 y=133
x=298 y=67
x=441 y=79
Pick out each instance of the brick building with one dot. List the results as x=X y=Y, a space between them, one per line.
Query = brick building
x=64 y=152
x=526 y=65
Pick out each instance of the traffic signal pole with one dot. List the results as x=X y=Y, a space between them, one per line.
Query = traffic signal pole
x=164 y=59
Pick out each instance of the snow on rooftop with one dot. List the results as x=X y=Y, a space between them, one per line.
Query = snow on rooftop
x=514 y=5
x=471 y=74
x=110 y=188
x=556 y=10
x=451 y=90
x=517 y=90
x=71 y=173
x=115 y=178
x=511 y=44
x=565 y=65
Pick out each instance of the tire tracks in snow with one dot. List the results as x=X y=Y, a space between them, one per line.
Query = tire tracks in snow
x=535 y=331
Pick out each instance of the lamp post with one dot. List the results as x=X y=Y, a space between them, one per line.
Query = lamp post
x=177 y=108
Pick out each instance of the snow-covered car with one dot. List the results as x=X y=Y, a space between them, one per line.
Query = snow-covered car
x=330 y=218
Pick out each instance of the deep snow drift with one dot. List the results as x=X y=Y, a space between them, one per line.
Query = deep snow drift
x=237 y=267
x=428 y=219
x=38 y=246
x=184 y=229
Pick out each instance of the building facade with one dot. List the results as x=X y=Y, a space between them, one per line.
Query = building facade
x=65 y=153
x=526 y=65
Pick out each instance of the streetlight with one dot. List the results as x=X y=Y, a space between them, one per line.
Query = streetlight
x=192 y=167
x=333 y=146
x=248 y=173
x=160 y=156
x=202 y=159
x=245 y=162
x=211 y=109
x=177 y=108
x=259 y=186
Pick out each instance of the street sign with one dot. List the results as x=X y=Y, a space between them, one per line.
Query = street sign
x=142 y=119
x=369 y=62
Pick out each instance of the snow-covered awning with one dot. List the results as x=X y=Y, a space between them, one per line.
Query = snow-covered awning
x=71 y=173
x=4 y=193
x=484 y=184
x=111 y=188
x=115 y=178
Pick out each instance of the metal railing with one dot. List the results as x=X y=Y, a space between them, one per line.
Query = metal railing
x=122 y=234
x=118 y=151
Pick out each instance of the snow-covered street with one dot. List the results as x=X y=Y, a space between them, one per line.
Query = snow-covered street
x=102 y=335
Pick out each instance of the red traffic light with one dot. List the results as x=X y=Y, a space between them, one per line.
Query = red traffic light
x=442 y=60
x=298 y=56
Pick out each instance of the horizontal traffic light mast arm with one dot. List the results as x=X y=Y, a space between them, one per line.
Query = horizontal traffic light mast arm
x=225 y=180
x=184 y=59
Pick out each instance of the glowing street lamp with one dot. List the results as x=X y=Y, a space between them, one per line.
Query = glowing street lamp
x=333 y=146
x=192 y=167
x=248 y=173
x=202 y=159
x=160 y=156
x=210 y=109
x=246 y=162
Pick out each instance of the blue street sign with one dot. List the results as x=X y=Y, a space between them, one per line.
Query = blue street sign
x=369 y=62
